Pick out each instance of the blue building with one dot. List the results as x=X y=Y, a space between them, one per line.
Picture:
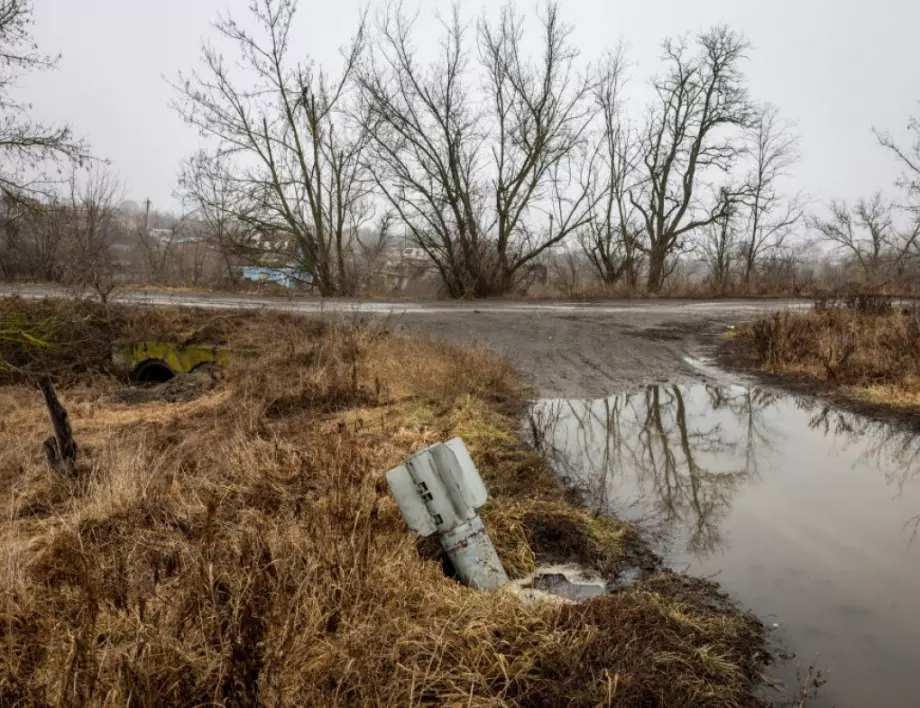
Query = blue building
x=285 y=276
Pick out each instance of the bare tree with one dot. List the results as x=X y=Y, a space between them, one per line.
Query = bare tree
x=908 y=156
x=867 y=233
x=33 y=238
x=720 y=251
x=612 y=237
x=771 y=215
x=371 y=252
x=25 y=144
x=691 y=137
x=285 y=131
x=482 y=187
x=158 y=244
x=567 y=269
x=908 y=212
x=40 y=237
x=89 y=210
x=67 y=237
x=209 y=192
x=27 y=149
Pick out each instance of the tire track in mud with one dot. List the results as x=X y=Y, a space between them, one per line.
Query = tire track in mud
x=576 y=357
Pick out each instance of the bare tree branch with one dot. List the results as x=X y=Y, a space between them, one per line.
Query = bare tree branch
x=211 y=195
x=612 y=238
x=908 y=156
x=28 y=148
x=771 y=215
x=869 y=235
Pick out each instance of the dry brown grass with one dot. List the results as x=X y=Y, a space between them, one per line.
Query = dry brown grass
x=869 y=347
x=242 y=548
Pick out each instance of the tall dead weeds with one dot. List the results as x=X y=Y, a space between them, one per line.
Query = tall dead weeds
x=860 y=342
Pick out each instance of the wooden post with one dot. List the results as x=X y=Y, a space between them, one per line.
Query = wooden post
x=60 y=449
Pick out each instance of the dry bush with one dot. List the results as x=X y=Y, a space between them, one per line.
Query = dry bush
x=861 y=341
x=864 y=303
x=242 y=548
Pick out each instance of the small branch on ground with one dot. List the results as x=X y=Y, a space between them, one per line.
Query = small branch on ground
x=813 y=681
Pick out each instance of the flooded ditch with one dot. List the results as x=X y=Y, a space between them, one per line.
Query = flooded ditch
x=806 y=514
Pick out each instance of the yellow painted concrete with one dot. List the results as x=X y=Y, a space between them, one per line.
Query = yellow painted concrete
x=180 y=358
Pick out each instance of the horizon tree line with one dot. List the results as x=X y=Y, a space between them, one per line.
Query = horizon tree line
x=493 y=154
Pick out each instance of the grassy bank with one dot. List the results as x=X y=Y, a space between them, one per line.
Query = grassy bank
x=867 y=349
x=237 y=545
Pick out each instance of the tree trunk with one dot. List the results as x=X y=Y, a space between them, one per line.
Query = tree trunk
x=631 y=271
x=656 y=263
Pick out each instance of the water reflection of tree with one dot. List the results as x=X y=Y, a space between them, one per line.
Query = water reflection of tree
x=661 y=441
x=890 y=447
x=748 y=405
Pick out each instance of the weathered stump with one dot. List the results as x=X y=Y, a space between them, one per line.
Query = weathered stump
x=60 y=448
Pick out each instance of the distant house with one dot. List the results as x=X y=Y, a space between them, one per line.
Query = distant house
x=413 y=253
x=161 y=235
x=400 y=263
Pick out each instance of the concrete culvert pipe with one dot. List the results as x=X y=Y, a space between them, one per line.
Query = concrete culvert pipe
x=153 y=371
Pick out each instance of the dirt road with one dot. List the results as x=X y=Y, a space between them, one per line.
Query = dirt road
x=585 y=353
x=571 y=350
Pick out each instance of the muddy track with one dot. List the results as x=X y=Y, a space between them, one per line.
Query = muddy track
x=588 y=355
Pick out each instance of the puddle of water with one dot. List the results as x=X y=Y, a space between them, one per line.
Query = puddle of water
x=566 y=582
x=804 y=513
x=559 y=584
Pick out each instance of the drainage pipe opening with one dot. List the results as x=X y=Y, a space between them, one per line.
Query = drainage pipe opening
x=153 y=371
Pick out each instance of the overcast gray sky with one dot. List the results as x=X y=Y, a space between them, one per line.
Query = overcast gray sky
x=837 y=67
